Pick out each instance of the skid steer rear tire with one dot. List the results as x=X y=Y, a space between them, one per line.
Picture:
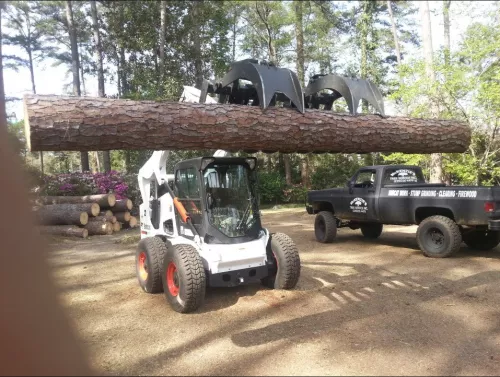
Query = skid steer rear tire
x=183 y=278
x=149 y=263
x=284 y=271
x=325 y=227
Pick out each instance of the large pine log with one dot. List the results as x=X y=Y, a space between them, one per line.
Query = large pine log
x=104 y=219
x=92 y=209
x=132 y=223
x=62 y=123
x=122 y=216
x=123 y=205
x=59 y=214
x=63 y=230
x=99 y=228
x=104 y=200
x=108 y=213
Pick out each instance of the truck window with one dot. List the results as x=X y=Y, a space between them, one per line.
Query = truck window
x=365 y=179
x=402 y=175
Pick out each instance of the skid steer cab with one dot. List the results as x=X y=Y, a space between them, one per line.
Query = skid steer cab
x=201 y=227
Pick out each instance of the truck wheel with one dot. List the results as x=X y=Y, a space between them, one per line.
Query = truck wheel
x=148 y=263
x=438 y=237
x=481 y=240
x=325 y=227
x=372 y=230
x=284 y=271
x=183 y=278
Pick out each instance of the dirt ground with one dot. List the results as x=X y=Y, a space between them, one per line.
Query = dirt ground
x=361 y=308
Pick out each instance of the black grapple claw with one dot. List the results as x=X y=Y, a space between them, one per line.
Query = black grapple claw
x=269 y=84
x=353 y=91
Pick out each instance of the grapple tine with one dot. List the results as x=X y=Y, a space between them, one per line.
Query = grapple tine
x=353 y=91
x=267 y=80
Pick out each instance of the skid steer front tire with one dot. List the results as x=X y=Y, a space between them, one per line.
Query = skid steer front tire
x=149 y=262
x=183 y=278
x=284 y=269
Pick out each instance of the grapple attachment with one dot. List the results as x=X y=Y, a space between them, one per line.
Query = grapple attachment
x=268 y=85
x=353 y=91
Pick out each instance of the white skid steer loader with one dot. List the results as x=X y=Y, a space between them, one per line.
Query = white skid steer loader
x=200 y=226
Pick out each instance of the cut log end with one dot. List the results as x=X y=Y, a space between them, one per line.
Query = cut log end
x=133 y=222
x=122 y=217
x=95 y=209
x=84 y=218
x=116 y=227
x=123 y=205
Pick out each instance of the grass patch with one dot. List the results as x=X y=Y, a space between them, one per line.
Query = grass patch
x=129 y=239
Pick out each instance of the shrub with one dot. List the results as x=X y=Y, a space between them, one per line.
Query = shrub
x=271 y=187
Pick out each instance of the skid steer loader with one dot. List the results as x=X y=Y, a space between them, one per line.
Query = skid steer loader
x=200 y=226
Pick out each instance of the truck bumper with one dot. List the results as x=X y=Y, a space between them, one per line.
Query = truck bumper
x=494 y=224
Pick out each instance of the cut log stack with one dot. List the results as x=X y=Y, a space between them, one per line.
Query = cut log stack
x=83 y=216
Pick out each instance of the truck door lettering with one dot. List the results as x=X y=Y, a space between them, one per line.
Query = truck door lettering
x=447 y=193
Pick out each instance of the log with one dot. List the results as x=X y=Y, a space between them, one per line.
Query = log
x=64 y=123
x=58 y=214
x=117 y=227
x=132 y=223
x=104 y=200
x=108 y=213
x=63 y=230
x=99 y=228
x=104 y=219
x=122 y=216
x=92 y=209
x=123 y=205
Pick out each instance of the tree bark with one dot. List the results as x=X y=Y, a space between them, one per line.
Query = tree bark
x=70 y=124
x=288 y=169
x=3 y=111
x=163 y=31
x=447 y=42
x=104 y=200
x=55 y=215
x=106 y=213
x=63 y=230
x=123 y=205
x=104 y=219
x=92 y=209
x=98 y=228
x=122 y=216
x=299 y=34
x=394 y=32
x=436 y=168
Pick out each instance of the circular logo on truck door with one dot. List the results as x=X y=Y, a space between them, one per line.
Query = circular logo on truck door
x=358 y=205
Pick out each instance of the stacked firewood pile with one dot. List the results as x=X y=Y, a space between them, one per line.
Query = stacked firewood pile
x=83 y=216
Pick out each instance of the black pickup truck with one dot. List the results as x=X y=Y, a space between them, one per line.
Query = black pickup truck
x=399 y=195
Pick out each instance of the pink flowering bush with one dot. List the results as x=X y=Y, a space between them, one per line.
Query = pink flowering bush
x=85 y=184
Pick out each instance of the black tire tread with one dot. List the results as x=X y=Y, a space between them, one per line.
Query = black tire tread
x=456 y=240
x=155 y=250
x=480 y=241
x=291 y=269
x=195 y=283
x=330 y=226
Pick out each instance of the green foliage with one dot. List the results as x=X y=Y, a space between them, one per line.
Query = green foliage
x=271 y=186
x=333 y=170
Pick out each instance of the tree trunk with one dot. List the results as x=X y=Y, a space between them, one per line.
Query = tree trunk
x=436 y=168
x=69 y=123
x=98 y=49
x=104 y=219
x=103 y=200
x=32 y=70
x=196 y=36
x=446 y=19
x=163 y=31
x=122 y=216
x=3 y=111
x=55 y=215
x=98 y=228
x=299 y=34
x=394 y=32
x=304 y=170
x=106 y=161
x=63 y=230
x=123 y=205
x=91 y=209
x=132 y=223
x=288 y=169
